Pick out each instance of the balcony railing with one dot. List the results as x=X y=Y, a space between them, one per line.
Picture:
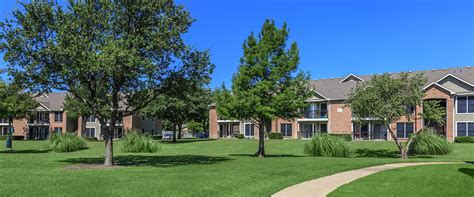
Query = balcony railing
x=315 y=114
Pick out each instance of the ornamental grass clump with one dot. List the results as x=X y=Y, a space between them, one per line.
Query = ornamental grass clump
x=68 y=142
x=324 y=145
x=135 y=142
x=427 y=142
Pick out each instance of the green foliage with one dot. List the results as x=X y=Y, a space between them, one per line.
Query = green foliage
x=433 y=113
x=239 y=136
x=156 y=137
x=325 y=145
x=464 y=139
x=386 y=98
x=274 y=135
x=14 y=102
x=68 y=142
x=268 y=83
x=136 y=142
x=427 y=142
x=347 y=137
x=91 y=139
x=3 y=137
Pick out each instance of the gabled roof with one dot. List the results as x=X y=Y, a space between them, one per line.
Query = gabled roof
x=334 y=90
x=351 y=77
x=53 y=101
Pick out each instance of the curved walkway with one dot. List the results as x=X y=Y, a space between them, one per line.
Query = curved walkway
x=324 y=185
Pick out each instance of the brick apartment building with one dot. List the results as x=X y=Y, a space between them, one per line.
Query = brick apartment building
x=327 y=112
x=50 y=117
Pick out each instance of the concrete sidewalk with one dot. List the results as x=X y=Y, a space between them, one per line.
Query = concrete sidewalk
x=324 y=185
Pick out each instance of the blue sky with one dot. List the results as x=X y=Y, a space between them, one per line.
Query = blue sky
x=336 y=37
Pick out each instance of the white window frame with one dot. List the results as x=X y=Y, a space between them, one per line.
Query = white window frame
x=467 y=131
x=88 y=118
x=405 y=136
x=252 y=126
x=95 y=132
x=467 y=104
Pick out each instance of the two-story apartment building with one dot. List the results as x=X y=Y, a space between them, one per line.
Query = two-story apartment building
x=328 y=113
x=50 y=117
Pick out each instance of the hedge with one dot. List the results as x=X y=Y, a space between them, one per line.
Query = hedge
x=464 y=139
x=274 y=135
x=239 y=136
x=347 y=137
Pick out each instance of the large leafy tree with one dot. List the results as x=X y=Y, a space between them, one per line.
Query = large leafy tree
x=433 y=114
x=267 y=84
x=388 y=98
x=187 y=99
x=14 y=104
x=113 y=57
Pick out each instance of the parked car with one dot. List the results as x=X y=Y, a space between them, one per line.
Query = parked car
x=168 y=136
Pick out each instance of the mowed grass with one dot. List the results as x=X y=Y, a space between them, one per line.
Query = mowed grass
x=434 y=180
x=189 y=168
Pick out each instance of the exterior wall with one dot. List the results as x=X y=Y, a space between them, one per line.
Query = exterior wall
x=276 y=126
x=436 y=92
x=20 y=127
x=53 y=124
x=340 y=118
x=455 y=85
x=80 y=125
x=213 y=123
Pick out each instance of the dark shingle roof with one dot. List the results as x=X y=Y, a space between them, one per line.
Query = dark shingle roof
x=334 y=90
x=54 y=101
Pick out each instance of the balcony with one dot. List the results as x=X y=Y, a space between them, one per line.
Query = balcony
x=315 y=114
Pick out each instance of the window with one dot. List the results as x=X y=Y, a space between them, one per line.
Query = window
x=90 y=118
x=3 y=121
x=58 y=130
x=58 y=116
x=4 y=131
x=249 y=130
x=465 y=129
x=410 y=109
x=324 y=128
x=286 y=130
x=465 y=104
x=404 y=129
x=89 y=132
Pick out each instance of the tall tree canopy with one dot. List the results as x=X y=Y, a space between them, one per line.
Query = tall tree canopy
x=387 y=99
x=14 y=104
x=267 y=84
x=110 y=56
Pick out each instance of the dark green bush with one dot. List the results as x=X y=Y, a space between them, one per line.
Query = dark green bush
x=239 y=136
x=347 y=137
x=464 y=139
x=156 y=137
x=325 y=145
x=427 y=142
x=274 y=135
x=92 y=139
x=135 y=142
x=68 y=142
x=3 y=137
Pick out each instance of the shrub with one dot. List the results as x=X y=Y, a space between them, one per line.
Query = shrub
x=273 y=135
x=68 y=142
x=427 y=142
x=92 y=139
x=325 y=145
x=156 y=137
x=135 y=142
x=347 y=137
x=464 y=139
x=3 y=137
x=239 y=136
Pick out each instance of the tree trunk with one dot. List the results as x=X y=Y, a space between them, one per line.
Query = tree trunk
x=261 y=138
x=10 y=132
x=179 y=130
x=403 y=151
x=109 y=150
x=174 y=133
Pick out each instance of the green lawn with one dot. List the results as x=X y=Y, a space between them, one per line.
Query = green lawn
x=435 y=180
x=190 y=168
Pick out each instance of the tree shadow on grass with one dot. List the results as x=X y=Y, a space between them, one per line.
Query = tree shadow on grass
x=365 y=152
x=28 y=151
x=189 y=140
x=467 y=171
x=155 y=161
x=253 y=155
